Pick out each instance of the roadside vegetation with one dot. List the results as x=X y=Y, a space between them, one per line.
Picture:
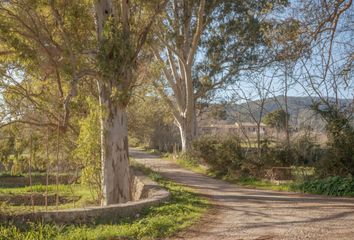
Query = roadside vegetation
x=331 y=186
x=300 y=168
x=79 y=85
x=184 y=209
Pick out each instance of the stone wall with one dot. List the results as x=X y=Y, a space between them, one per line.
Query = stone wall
x=146 y=193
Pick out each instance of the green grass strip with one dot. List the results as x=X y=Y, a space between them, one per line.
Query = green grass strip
x=184 y=208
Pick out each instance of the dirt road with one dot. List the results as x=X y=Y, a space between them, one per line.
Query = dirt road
x=241 y=213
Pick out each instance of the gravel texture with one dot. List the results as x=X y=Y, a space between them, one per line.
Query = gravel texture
x=242 y=213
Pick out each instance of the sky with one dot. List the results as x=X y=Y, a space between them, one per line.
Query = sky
x=344 y=42
x=310 y=77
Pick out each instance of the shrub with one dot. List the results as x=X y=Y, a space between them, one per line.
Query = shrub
x=188 y=160
x=222 y=153
x=339 y=157
x=305 y=150
x=88 y=149
x=225 y=156
x=302 y=151
x=333 y=186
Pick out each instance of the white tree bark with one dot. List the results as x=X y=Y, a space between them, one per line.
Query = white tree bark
x=187 y=128
x=114 y=129
x=114 y=90
x=180 y=55
x=114 y=150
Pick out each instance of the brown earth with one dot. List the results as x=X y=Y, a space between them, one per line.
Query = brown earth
x=242 y=213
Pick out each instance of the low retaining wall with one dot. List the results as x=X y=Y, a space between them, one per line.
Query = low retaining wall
x=146 y=193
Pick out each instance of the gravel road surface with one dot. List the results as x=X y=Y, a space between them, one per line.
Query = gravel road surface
x=242 y=213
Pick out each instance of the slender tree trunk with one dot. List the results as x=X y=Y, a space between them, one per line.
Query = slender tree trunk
x=30 y=170
x=57 y=168
x=287 y=130
x=114 y=147
x=259 y=137
x=47 y=169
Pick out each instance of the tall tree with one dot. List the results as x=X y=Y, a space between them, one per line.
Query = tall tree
x=277 y=119
x=121 y=37
x=201 y=46
x=179 y=38
x=56 y=42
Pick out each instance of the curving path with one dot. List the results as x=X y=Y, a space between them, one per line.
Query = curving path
x=242 y=213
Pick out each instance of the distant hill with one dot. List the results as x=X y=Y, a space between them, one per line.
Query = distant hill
x=299 y=109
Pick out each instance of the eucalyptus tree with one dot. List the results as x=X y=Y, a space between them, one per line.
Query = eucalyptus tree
x=201 y=46
x=64 y=45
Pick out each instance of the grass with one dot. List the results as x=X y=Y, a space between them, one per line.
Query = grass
x=83 y=197
x=261 y=184
x=181 y=211
x=189 y=163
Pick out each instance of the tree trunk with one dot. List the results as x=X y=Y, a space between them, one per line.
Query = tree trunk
x=180 y=54
x=114 y=150
x=187 y=128
x=259 y=136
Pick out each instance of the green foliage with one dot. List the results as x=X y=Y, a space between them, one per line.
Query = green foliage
x=36 y=231
x=252 y=182
x=88 y=146
x=275 y=156
x=234 y=36
x=218 y=111
x=225 y=156
x=302 y=151
x=222 y=154
x=189 y=161
x=339 y=157
x=305 y=150
x=19 y=164
x=333 y=186
x=277 y=119
x=7 y=146
x=14 y=151
x=150 y=123
x=184 y=208
x=115 y=50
